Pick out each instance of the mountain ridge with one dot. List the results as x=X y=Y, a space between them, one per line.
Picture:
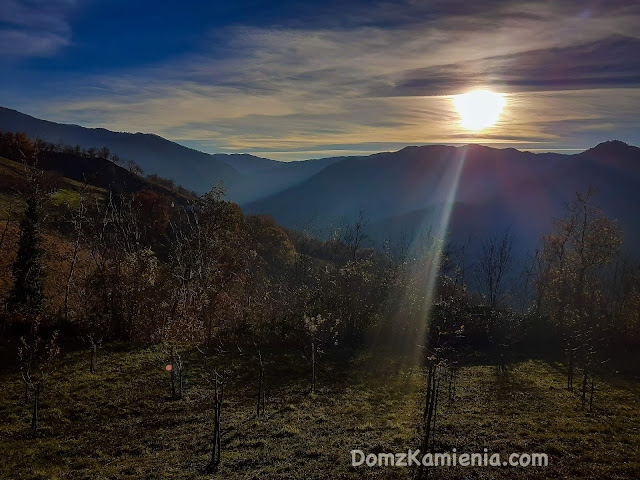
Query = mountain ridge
x=494 y=187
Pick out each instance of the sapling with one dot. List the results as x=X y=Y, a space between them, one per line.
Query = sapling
x=37 y=357
x=94 y=343
x=216 y=445
x=428 y=415
x=175 y=367
x=319 y=331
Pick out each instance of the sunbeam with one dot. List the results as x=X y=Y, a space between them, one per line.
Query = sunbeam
x=424 y=258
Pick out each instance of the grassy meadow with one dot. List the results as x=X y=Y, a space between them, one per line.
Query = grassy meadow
x=121 y=421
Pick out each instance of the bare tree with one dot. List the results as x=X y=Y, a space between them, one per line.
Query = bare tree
x=77 y=220
x=37 y=357
x=319 y=331
x=218 y=379
x=175 y=367
x=494 y=266
x=94 y=343
x=355 y=235
x=134 y=168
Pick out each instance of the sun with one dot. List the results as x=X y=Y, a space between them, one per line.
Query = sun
x=479 y=109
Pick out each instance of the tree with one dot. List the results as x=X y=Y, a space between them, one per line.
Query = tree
x=36 y=363
x=104 y=152
x=210 y=262
x=354 y=236
x=77 y=221
x=320 y=331
x=494 y=265
x=27 y=293
x=134 y=168
x=573 y=260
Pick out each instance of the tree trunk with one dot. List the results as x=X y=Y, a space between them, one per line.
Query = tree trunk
x=173 y=383
x=435 y=414
x=428 y=415
x=570 y=369
x=584 y=386
x=216 y=448
x=313 y=367
x=94 y=349
x=260 y=389
x=34 y=418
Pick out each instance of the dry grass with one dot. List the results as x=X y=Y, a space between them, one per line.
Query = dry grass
x=121 y=422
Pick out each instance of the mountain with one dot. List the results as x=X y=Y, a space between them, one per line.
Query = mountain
x=406 y=191
x=188 y=167
x=246 y=177
x=487 y=189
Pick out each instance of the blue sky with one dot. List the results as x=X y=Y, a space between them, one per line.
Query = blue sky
x=292 y=80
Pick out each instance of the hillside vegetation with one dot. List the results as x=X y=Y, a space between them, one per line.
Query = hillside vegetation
x=148 y=332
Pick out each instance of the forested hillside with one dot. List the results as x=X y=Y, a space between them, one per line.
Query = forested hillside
x=216 y=311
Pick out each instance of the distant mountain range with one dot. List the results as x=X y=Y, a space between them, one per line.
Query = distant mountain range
x=406 y=191
x=400 y=192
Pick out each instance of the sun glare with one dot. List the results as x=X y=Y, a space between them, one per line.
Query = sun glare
x=479 y=109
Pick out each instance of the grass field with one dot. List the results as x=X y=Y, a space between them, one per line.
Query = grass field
x=121 y=422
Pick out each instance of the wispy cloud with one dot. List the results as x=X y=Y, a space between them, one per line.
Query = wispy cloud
x=34 y=27
x=384 y=76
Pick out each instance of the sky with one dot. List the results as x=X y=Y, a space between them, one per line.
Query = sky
x=294 y=80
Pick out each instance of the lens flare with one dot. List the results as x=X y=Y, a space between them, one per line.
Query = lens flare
x=424 y=255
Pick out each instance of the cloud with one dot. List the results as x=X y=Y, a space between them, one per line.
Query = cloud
x=608 y=62
x=379 y=75
x=34 y=27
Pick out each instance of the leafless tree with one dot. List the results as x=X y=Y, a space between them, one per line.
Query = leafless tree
x=77 y=220
x=94 y=342
x=37 y=357
x=494 y=266
x=355 y=235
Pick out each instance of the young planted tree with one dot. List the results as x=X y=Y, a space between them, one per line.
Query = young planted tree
x=94 y=343
x=175 y=367
x=218 y=380
x=37 y=357
x=434 y=369
x=320 y=331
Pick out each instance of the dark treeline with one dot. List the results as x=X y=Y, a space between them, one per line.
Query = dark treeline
x=61 y=157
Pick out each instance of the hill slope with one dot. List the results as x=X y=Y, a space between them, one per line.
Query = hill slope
x=188 y=167
x=246 y=177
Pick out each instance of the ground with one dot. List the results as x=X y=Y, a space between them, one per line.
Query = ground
x=122 y=423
